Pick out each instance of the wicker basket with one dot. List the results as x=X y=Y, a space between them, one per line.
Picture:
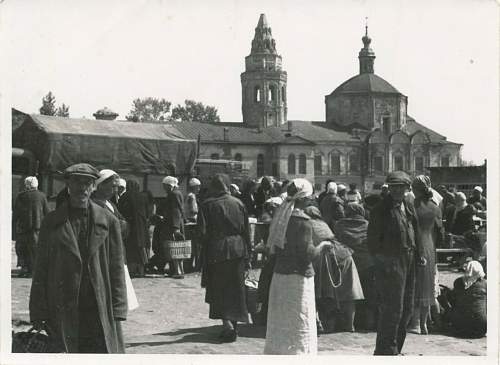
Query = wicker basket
x=176 y=250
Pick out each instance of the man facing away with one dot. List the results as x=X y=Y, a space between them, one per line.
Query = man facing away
x=393 y=245
x=78 y=291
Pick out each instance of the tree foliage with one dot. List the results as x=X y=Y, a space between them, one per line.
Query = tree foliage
x=195 y=112
x=48 y=104
x=149 y=110
x=63 y=111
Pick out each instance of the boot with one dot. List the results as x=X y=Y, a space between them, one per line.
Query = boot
x=348 y=311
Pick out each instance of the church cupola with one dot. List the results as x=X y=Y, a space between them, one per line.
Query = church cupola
x=264 y=82
x=366 y=55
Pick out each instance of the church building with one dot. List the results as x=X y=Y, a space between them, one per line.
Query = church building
x=366 y=134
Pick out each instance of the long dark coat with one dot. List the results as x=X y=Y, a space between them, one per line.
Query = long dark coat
x=29 y=209
x=57 y=276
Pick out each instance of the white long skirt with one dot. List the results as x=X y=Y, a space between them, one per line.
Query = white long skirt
x=291 y=318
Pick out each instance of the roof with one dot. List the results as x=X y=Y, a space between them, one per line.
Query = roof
x=308 y=130
x=366 y=83
x=412 y=126
x=107 y=128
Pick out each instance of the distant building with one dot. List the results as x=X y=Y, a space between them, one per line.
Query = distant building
x=366 y=133
x=463 y=178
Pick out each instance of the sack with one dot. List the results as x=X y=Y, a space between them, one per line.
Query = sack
x=32 y=341
x=176 y=250
x=132 y=302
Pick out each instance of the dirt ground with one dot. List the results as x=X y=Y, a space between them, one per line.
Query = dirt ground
x=173 y=319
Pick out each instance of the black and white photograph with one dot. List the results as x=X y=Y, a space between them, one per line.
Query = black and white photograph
x=249 y=178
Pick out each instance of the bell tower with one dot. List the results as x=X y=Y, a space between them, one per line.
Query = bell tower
x=263 y=84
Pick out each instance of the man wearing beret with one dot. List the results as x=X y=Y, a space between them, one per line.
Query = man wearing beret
x=396 y=249
x=78 y=291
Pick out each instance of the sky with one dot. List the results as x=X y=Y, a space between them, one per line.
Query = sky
x=443 y=55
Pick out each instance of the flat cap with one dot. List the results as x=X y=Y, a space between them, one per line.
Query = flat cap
x=398 y=178
x=83 y=169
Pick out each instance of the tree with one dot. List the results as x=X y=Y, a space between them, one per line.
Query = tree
x=48 y=104
x=195 y=112
x=149 y=110
x=63 y=111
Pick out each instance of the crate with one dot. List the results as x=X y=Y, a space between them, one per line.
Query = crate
x=176 y=250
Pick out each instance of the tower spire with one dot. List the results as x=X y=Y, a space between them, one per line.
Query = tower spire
x=263 y=41
x=366 y=55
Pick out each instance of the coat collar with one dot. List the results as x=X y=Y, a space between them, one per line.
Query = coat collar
x=98 y=227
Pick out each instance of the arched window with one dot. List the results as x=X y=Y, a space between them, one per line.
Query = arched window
x=335 y=163
x=378 y=164
x=302 y=164
x=272 y=94
x=386 y=125
x=445 y=161
x=260 y=165
x=398 y=163
x=238 y=157
x=257 y=95
x=283 y=94
x=291 y=164
x=214 y=156
x=419 y=164
x=318 y=165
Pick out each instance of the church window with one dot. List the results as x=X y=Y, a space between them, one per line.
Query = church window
x=238 y=157
x=291 y=164
x=260 y=164
x=302 y=164
x=318 y=168
x=419 y=164
x=378 y=164
x=283 y=96
x=214 y=156
x=398 y=163
x=257 y=95
x=445 y=161
x=335 y=164
x=272 y=94
x=386 y=125
x=275 y=169
x=353 y=162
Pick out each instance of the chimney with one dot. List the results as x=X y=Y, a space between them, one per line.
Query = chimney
x=105 y=114
x=226 y=134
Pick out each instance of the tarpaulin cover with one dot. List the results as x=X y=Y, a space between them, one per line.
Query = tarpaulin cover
x=139 y=148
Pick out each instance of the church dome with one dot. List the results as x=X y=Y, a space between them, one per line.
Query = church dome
x=365 y=83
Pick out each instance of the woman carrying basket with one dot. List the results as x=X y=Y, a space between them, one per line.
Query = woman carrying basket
x=226 y=249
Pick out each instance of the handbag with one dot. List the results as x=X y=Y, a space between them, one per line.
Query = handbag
x=34 y=341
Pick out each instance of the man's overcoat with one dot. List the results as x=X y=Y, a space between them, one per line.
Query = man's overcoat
x=57 y=277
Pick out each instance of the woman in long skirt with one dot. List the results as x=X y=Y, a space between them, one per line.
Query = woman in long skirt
x=291 y=319
x=430 y=233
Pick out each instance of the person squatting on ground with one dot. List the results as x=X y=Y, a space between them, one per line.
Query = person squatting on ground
x=226 y=256
x=135 y=208
x=431 y=234
x=336 y=281
x=291 y=319
x=78 y=289
x=169 y=224
x=392 y=242
x=30 y=208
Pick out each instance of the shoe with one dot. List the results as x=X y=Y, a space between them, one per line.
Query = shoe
x=177 y=276
x=415 y=330
x=228 y=335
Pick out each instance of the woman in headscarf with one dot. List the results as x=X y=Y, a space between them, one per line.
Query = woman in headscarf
x=226 y=251
x=337 y=285
x=468 y=314
x=352 y=231
x=291 y=318
x=459 y=220
x=430 y=233
x=331 y=206
x=134 y=206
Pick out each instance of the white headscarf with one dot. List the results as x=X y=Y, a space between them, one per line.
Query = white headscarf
x=331 y=187
x=473 y=272
x=279 y=224
x=170 y=180
x=194 y=182
x=104 y=175
x=31 y=183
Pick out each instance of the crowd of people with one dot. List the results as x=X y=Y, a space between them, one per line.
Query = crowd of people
x=333 y=260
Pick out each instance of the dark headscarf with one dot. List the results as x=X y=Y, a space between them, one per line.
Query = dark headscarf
x=219 y=184
x=354 y=210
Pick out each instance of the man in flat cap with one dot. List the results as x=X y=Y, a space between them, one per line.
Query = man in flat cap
x=395 y=249
x=78 y=290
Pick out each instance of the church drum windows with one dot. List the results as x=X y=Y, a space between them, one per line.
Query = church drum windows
x=335 y=164
x=445 y=161
x=302 y=164
x=257 y=94
x=238 y=157
x=291 y=164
